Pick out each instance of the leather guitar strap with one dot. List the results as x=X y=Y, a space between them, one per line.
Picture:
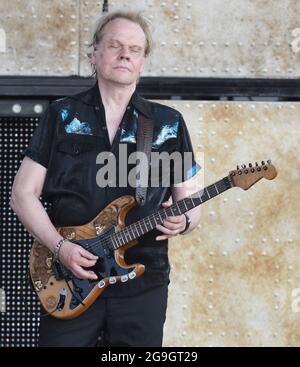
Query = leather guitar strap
x=144 y=144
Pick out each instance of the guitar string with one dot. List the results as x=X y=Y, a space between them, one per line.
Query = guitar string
x=107 y=242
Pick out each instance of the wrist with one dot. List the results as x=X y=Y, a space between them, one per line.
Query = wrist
x=57 y=247
x=187 y=223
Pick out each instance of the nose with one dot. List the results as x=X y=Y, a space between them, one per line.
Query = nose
x=124 y=54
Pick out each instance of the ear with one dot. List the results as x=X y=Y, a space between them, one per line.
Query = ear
x=93 y=56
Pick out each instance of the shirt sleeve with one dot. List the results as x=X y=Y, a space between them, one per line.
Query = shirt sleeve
x=39 y=148
x=185 y=167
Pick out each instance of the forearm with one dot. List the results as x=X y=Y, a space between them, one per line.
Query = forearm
x=35 y=219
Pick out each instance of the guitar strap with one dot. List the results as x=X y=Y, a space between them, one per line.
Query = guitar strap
x=143 y=144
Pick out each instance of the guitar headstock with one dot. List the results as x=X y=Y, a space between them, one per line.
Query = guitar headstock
x=245 y=177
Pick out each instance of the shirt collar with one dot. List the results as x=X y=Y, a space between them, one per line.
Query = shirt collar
x=93 y=97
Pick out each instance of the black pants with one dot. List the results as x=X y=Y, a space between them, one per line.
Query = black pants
x=135 y=321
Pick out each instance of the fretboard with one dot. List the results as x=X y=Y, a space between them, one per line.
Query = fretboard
x=146 y=224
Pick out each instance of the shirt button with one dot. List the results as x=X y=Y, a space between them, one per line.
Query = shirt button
x=104 y=127
x=97 y=108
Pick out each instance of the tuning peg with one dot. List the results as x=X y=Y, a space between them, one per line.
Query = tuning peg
x=256 y=164
x=237 y=167
x=263 y=163
x=250 y=165
x=243 y=166
x=269 y=161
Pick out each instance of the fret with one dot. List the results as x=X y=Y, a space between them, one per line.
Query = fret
x=207 y=193
x=185 y=205
x=216 y=188
x=145 y=229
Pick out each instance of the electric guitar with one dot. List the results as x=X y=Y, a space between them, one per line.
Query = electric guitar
x=64 y=296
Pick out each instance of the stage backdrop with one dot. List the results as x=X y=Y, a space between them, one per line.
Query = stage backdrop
x=235 y=279
x=216 y=38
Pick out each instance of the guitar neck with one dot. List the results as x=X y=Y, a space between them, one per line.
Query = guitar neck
x=146 y=224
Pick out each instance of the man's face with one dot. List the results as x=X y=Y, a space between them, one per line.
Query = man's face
x=119 y=56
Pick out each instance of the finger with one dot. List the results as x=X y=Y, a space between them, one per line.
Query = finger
x=167 y=231
x=173 y=226
x=175 y=219
x=88 y=254
x=85 y=262
x=160 y=238
x=84 y=274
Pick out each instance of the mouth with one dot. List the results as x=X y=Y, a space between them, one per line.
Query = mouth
x=122 y=68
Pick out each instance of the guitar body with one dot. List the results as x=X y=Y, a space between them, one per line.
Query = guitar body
x=62 y=294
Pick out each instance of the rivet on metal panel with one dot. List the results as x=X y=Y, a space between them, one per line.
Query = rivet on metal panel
x=201 y=44
x=225 y=200
x=211 y=280
x=211 y=214
x=250 y=253
x=226 y=146
x=224 y=253
x=240 y=44
x=214 y=43
x=213 y=160
x=210 y=293
x=188 y=69
x=175 y=69
x=188 y=17
x=210 y=321
x=251 y=226
x=16 y=108
x=211 y=253
x=227 y=44
x=237 y=240
x=211 y=267
x=210 y=307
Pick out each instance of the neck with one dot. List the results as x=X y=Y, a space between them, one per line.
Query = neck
x=115 y=95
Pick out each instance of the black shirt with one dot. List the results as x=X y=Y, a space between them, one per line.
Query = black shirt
x=69 y=137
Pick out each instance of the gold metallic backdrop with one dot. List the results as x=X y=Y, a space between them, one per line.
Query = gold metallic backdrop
x=232 y=278
x=216 y=38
